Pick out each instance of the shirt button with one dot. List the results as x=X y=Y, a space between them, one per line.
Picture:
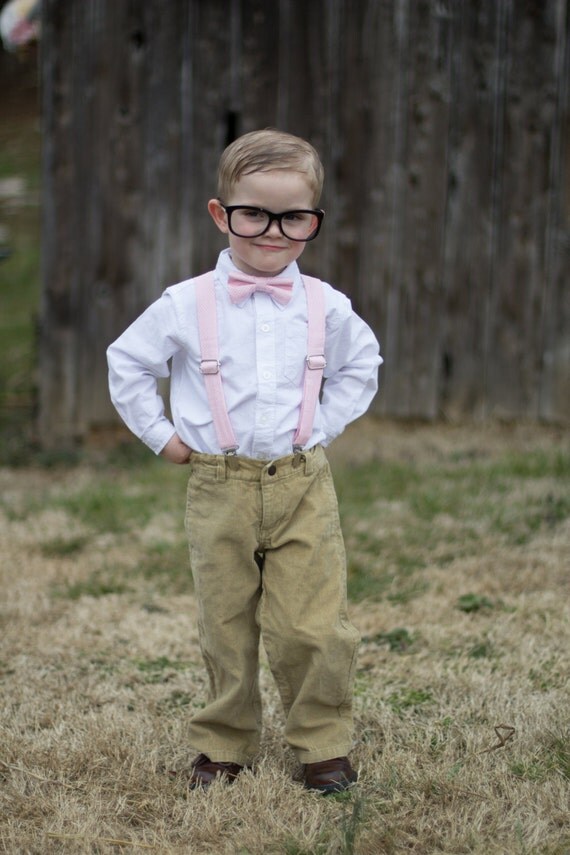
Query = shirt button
x=272 y=470
x=265 y=327
x=267 y=375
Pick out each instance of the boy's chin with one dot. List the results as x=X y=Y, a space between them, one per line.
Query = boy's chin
x=262 y=263
x=267 y=270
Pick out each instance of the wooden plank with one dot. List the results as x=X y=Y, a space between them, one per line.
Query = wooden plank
x=109 y=128
x=554 y=322
x=209 y=92
x=59 y=377
x=530 y=110
x=421 y=136
x=469 y=236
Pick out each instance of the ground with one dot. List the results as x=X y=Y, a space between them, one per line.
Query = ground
x=458 y=543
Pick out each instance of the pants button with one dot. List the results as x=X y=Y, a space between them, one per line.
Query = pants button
x=272 y=470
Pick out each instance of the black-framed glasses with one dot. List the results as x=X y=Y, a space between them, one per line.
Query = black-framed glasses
x=248 y=222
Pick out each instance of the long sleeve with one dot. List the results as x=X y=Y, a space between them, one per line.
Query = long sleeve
x=351 y=375
x=137 y=360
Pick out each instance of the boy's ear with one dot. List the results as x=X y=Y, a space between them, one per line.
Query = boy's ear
x=218 y=215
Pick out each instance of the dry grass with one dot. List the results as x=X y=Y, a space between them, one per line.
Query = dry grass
x=462 y=705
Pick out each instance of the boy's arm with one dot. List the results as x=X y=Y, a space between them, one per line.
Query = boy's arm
x=351 y=375
x=137 y=359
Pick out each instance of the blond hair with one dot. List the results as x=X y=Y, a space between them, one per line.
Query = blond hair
x=262 y=151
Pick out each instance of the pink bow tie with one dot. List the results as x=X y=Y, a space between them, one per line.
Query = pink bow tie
x=241 y=286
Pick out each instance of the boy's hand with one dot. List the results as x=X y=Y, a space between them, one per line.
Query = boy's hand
x=176 y=451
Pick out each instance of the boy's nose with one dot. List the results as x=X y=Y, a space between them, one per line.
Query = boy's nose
x=274 y=229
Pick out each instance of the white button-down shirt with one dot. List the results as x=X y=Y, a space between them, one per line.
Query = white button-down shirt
x=263 y=346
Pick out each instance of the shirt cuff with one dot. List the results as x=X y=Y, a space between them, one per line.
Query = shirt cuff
x=158 y=435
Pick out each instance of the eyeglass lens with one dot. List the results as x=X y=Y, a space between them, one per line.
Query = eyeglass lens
x=252 y=222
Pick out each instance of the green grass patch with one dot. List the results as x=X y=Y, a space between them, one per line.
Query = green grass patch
x=409 y=699
x=162 y=669
x=168 y=566
x=551 y=757
x=111 y=507
x=520 y=521
x=384 y=567
x=362 y=584
x=122 y=500
x=95 y=585
x=469 y=603
x=482 y=650
x=399 y=640
x=358 y=486
x=407 y=593
x=64 y=547
x=177 y=700
x=548 y=676
x=538 y=463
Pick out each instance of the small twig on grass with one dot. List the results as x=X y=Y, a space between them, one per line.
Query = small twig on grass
x=24 y=771
x=465 y=792
x=504 y=733
x=112 y=841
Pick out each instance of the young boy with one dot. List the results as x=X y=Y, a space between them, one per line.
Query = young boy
x=266 y=548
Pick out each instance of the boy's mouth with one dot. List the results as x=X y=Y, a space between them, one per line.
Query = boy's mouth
x=271 y=247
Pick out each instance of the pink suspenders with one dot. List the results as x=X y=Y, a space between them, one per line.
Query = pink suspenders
x=315 y=361
x=210 y=363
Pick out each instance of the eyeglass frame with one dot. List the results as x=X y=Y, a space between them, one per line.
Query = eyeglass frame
x=318 y=212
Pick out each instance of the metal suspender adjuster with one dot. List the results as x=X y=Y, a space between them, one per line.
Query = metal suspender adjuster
x=209 y=366
x=316 y=362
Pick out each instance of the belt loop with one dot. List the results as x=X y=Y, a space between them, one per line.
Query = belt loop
x=307 y=457
x=221 y=473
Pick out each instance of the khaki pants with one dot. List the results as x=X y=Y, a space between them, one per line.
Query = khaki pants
x=295 y=595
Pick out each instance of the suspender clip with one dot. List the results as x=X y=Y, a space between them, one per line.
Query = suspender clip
x=316 y=362
x=209 y=366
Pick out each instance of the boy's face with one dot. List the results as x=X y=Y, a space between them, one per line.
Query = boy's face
x=276 y=190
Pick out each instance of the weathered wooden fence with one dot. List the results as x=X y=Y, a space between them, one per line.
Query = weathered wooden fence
x=444 y=129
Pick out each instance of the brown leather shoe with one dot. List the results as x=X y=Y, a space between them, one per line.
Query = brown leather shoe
x=329 y=776
x=205 y=772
